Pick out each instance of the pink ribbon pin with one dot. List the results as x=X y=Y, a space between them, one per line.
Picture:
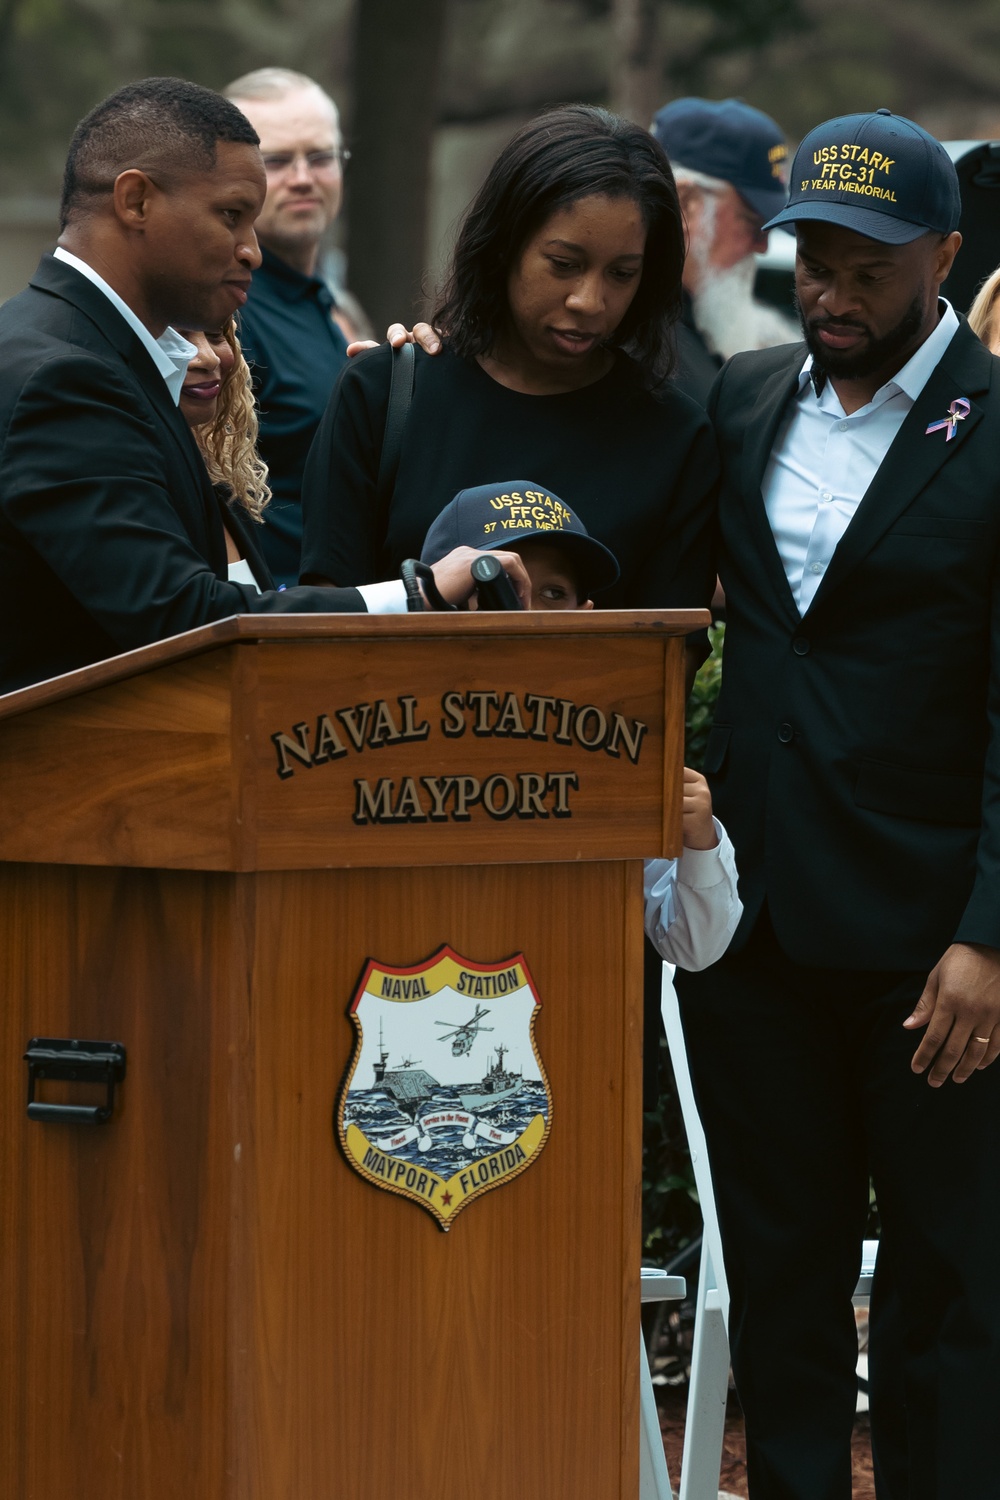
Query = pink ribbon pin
x=957 y=412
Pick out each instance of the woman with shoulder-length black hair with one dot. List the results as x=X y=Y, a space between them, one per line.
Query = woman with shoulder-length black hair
x=573 y=153
x=556 y=331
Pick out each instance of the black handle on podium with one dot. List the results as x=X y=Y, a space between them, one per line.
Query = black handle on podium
x=79 y=1062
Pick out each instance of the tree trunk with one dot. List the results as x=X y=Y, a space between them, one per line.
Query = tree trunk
x=397 y=55
x=637 y=61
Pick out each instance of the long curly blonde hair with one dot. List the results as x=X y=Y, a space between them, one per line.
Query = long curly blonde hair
x=984 y=314
x=229 y=444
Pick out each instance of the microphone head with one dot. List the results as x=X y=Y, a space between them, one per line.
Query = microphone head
x=486 y=569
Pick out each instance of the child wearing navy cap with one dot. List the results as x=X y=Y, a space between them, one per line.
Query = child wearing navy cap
x=566 y=566
x=691 y=904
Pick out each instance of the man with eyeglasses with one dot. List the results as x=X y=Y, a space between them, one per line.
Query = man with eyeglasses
x=291 y=326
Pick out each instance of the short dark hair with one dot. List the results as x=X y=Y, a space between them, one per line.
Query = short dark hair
x=564 y=155
x=157 y=124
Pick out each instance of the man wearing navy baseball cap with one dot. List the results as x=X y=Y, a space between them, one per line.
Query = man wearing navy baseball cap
x=729 y=162
x=878 y=174
x=852 y=1029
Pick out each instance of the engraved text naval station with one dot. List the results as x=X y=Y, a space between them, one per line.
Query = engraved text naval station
x=513 y=748
x=487 y=714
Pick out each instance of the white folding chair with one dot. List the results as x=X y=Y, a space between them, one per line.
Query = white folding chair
x=654 y=1481
x=704 y=1429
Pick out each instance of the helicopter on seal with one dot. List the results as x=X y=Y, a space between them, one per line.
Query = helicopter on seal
x=462 y=1037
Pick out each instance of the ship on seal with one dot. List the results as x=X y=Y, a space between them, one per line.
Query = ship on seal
x=407 y=1086
x=497 y=1084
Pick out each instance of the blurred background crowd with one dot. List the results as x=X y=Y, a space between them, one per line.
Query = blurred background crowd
x=429 y=93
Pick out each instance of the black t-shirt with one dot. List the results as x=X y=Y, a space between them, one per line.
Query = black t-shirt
x=640 y=470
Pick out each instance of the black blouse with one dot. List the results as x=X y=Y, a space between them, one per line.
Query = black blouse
x=639 y=469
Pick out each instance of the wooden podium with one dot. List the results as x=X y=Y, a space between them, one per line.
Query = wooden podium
x=203 y=842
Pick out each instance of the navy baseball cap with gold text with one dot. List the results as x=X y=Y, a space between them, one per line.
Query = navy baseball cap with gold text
x=491 y=516
x=730 y=140
x=879 y=174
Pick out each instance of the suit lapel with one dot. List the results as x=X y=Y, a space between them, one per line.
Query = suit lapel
x=155 y=387
x=761 y=431
x=915 y=455
x=202 y=497
x=55 y=276
x=246 y=533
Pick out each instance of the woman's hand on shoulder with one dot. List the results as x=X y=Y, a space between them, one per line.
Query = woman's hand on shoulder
x=421 y=333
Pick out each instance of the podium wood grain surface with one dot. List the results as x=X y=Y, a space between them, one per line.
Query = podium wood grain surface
x=201 y=1299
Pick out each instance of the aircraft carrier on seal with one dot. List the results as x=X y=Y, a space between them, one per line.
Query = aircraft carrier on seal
x=407 y=1085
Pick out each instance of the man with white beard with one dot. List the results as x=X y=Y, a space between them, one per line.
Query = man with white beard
x=728 y=163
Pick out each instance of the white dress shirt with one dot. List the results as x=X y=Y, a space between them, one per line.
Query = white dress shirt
x=388 y=598
x=824 y=460
x=692 y=907
x=241 y=572
x=170 y=353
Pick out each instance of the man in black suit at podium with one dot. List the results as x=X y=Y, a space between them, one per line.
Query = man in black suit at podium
x=111 y=535
x=855 y=759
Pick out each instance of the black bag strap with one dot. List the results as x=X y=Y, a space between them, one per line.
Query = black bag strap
x=400 y=396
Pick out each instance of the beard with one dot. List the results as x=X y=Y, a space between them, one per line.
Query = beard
x=728 y=318
x=856 y=364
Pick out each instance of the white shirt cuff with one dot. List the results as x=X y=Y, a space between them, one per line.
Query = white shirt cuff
x=701 y=868
x=384 y=598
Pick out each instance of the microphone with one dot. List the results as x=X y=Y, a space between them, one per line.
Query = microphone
x=494 y=589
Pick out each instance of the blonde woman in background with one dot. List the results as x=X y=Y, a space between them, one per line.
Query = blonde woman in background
x=984 y=314
x=217 y=403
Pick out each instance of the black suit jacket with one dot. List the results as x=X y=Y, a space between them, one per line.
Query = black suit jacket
x=855 y=755
x=110 y=534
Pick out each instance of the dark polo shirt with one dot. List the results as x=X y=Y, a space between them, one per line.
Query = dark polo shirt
x=295 y=351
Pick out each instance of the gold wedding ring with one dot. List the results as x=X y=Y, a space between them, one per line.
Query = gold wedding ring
x=984 y=1039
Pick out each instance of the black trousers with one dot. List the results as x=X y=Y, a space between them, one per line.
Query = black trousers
x=804 y=1085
